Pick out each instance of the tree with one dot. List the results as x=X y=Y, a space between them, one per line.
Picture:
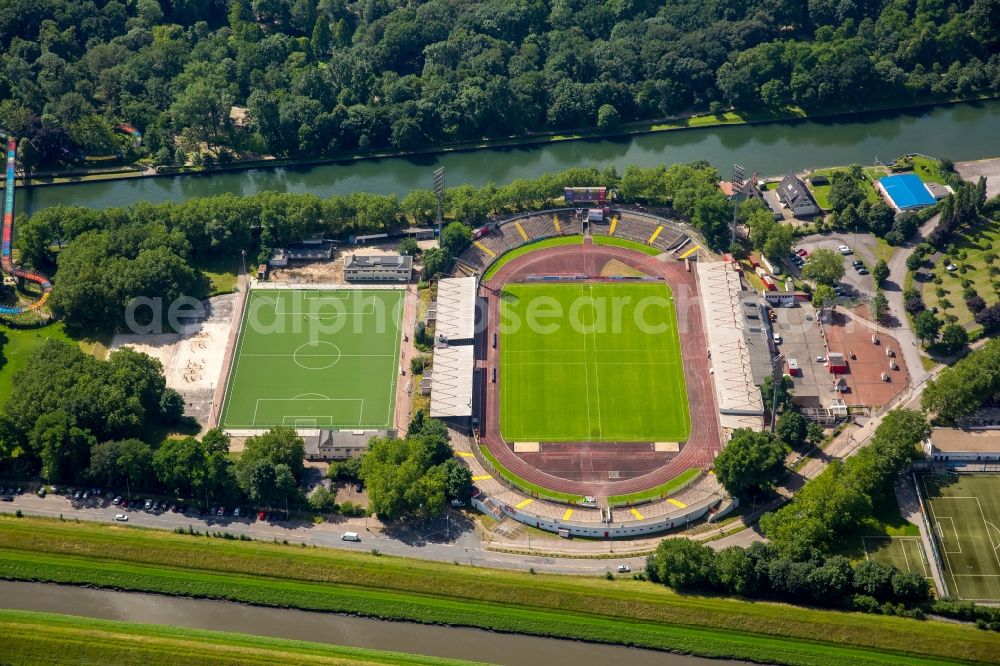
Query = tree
x=779 y=241
x=823 y=296
x=879 y=306
x=401 y=478
x=989 y=318
x=278 y=446
x=121 y=464
x=322 y=500
x=751 y=462
x=181 y=467
x=322 y=38
x=408 y=247
x=608 y=117
x=880 y=272
x=458 y=479
x=62 y=446
x=954 y=337
x=784 y=397
x=421 y=205
x=926 y=326
x=436 y=262
x=684 y=564
x=792 y=429
x=455 y=238
x=824 y=266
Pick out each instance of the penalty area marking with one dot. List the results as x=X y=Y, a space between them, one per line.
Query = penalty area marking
x=299 y=401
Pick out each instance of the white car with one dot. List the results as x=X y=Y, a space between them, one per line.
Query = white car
x=776 y=338
x=624 y=568
x=845 y=250
x=951 y=268
x=121 y=518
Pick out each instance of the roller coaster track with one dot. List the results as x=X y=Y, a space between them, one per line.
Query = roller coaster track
x=8 y=233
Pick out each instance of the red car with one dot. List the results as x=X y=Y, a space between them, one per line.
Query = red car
x=262 y=515
x=802 y=253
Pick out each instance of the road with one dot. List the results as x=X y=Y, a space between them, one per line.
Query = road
x=450 y=540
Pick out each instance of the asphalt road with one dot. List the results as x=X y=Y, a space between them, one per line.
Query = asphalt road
x=449 y=540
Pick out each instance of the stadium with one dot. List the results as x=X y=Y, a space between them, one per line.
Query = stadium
x=593 y=382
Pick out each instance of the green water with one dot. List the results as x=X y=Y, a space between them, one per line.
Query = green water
x=961 y=132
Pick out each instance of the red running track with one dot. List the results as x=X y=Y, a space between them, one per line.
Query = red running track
x=705 y=441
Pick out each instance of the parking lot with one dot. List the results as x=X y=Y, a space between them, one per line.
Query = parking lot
x=861 y=245
x=802 y=340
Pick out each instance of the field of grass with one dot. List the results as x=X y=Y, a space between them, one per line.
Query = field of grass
x=28 y=638
x=822 y=192
x=618 y=611
x=602 y=363
x=904 y=553
x=309 y=358
x=625 y=242
x=964 y=512
x=220 y=276
x=17 y=344
x=671 y=486
x=976 y=242
x=531 y=247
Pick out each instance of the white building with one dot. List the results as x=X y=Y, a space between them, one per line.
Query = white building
x=963 y=446
x=378 y=268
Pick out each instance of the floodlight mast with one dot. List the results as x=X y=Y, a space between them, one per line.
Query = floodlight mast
x=737 y=191
x=439 y=195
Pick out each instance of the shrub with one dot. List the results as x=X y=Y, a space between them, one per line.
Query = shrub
x=864 y=603
x=417 y=364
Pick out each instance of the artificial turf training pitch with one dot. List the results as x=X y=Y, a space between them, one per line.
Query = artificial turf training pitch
x=601 y=363
x=316 y=359
x=964 y=512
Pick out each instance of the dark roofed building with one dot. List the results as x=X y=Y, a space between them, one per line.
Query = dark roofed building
x=326 y=445
x=793 y=193
x=378 y=268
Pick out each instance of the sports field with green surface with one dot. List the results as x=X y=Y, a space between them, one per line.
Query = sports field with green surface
x=905 y=553
x=964 y=512
x=316 y=359
x=591 y=362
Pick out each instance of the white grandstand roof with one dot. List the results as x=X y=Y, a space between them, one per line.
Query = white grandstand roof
x=451 y=384
x=456 y=309
x=740 y=404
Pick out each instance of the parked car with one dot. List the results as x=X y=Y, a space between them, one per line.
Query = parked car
x=776 y=338
x=845 y=250
x=350 y=536
x=117 y=500
x=41 y=492
x=222 y=511
x=6 y=498
x=862 y=271
x=262 y=515
x=802 y=252
x=123 y=503
x=148 y=505
x=121 y=518
x=236 y=512
x=624 y=568
x=86 y=494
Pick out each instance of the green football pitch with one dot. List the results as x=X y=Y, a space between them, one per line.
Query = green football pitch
x=965 y=516
x=582 y=362
x=316 y=359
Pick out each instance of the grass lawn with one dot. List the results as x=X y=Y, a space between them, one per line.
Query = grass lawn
x=625 y=242
x=590 y=362
x=17 y=344
x=530 y=247
x=671 y=486
x=220 y=274
x=975 y=242
x=822 y=192
x=310 y=359
x=28 y=638
x=964 y=513
x=618 y=611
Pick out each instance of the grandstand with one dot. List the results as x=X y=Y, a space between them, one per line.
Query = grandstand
x=633 y=225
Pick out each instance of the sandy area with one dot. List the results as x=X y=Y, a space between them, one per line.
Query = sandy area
x=192 y=360
x=989 y=168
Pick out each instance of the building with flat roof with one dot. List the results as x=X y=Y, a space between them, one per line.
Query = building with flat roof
x=378 y=268
x=955 y=445
x=904 y=191
x=793 y=193
x=454 y=361
x=455 y=310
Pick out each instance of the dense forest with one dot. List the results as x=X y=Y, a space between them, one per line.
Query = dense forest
x=327 y=76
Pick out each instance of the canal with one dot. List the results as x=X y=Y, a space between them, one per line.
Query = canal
x=431 y=640
x=961 y=132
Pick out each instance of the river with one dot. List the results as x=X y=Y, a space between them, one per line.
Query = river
x=961 y=132
x=431 y=640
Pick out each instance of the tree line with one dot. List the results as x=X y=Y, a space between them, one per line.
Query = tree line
x=102 y=260
x=327 y=76
x=963 y=388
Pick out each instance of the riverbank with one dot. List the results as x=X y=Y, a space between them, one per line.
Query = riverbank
x=693 y=121
x=619 y=611
x=29 y=638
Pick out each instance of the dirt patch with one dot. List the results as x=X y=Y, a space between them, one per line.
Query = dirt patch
x=192 y=360
x=615 y=268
